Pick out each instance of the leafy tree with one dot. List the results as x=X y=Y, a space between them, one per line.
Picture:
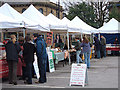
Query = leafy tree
x=102 y=11
x=84 y=11
x=93 y=13
x=114 y=13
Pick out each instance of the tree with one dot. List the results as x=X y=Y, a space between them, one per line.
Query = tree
x=84 y=11
x=114 y=13
x=102 y=11
x=93 y=13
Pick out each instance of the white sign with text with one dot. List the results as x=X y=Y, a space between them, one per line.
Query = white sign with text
x=35 y=64
x=78 y=73
x=51 y=63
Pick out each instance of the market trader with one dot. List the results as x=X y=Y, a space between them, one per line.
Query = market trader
x=42 y=57
x=58 y=41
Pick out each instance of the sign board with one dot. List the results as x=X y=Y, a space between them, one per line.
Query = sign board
x=51 y=63
x=35 y=64
x=78 y=73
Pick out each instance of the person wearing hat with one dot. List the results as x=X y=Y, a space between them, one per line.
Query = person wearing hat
x=78 y=50
x=42 y=57
x=12 y=50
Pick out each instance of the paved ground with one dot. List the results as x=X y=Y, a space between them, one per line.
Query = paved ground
x=102 y=74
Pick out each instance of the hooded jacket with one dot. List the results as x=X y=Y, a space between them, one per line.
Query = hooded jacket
x=41 y=48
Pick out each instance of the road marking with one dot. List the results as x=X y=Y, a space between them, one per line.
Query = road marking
x=59 y=77
x=38 y=85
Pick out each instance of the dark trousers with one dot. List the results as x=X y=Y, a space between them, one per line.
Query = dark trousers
x=24 y=72
x=12 y=65
x=29 y=72
x=42 y=69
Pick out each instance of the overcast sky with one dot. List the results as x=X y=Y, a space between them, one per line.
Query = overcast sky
x=75 y=1
x=62 y=1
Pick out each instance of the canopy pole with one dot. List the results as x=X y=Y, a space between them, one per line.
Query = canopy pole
x=68 y=47
x=93 y=37
x=1 y=36
x=24 y=31
x=99 y=36
x=17 y=36
x=81 y=36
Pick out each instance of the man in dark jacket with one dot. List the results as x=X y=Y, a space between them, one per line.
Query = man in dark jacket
x=42 y=57
x=103 y=46
x=12 y=51
x=78 y=50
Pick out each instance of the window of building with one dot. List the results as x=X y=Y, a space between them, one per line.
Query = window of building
x=52 y=11
x=40 y=10
x=23 y=10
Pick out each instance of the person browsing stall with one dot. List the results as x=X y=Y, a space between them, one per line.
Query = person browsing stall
x=78 y=51
x=28 y=55
x=86 y=50
x=12 y=50
x=42 y=57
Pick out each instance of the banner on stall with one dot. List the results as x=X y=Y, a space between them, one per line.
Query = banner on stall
x=51 y=63
x=78 y=73
x=35 y=64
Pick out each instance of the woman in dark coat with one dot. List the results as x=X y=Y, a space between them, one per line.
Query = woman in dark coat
x=12 y=51
x=28 y=55
x=97 y=47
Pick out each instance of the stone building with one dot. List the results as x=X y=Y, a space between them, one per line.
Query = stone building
x=44 y=6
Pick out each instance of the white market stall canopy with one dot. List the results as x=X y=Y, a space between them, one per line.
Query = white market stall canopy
x=33 y=19
x=71 y=27
x=49 y=21
x=7 y=10
x=85 y=27
x=34 y=15
x=7 y=22
x=55 y=23
x=113 y=26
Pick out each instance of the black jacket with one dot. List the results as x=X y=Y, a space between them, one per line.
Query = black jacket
x=97 y=45
x=77 y=46
x=28 y=52
x=12 y=51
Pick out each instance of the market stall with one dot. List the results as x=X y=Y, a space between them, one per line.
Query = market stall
x=110 y=31
x=113 y=49
x=12 y=21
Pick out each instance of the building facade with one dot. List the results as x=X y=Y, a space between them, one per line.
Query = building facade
x=45 y=7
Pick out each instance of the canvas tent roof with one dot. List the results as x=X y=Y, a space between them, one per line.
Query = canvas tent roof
x=71 y=27
x=7 y=10
x=113 y=26
x=85 y=27
x=55 y=23
x=7 y=22
x=34 y=15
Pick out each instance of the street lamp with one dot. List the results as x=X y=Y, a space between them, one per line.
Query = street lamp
x=58 y=14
